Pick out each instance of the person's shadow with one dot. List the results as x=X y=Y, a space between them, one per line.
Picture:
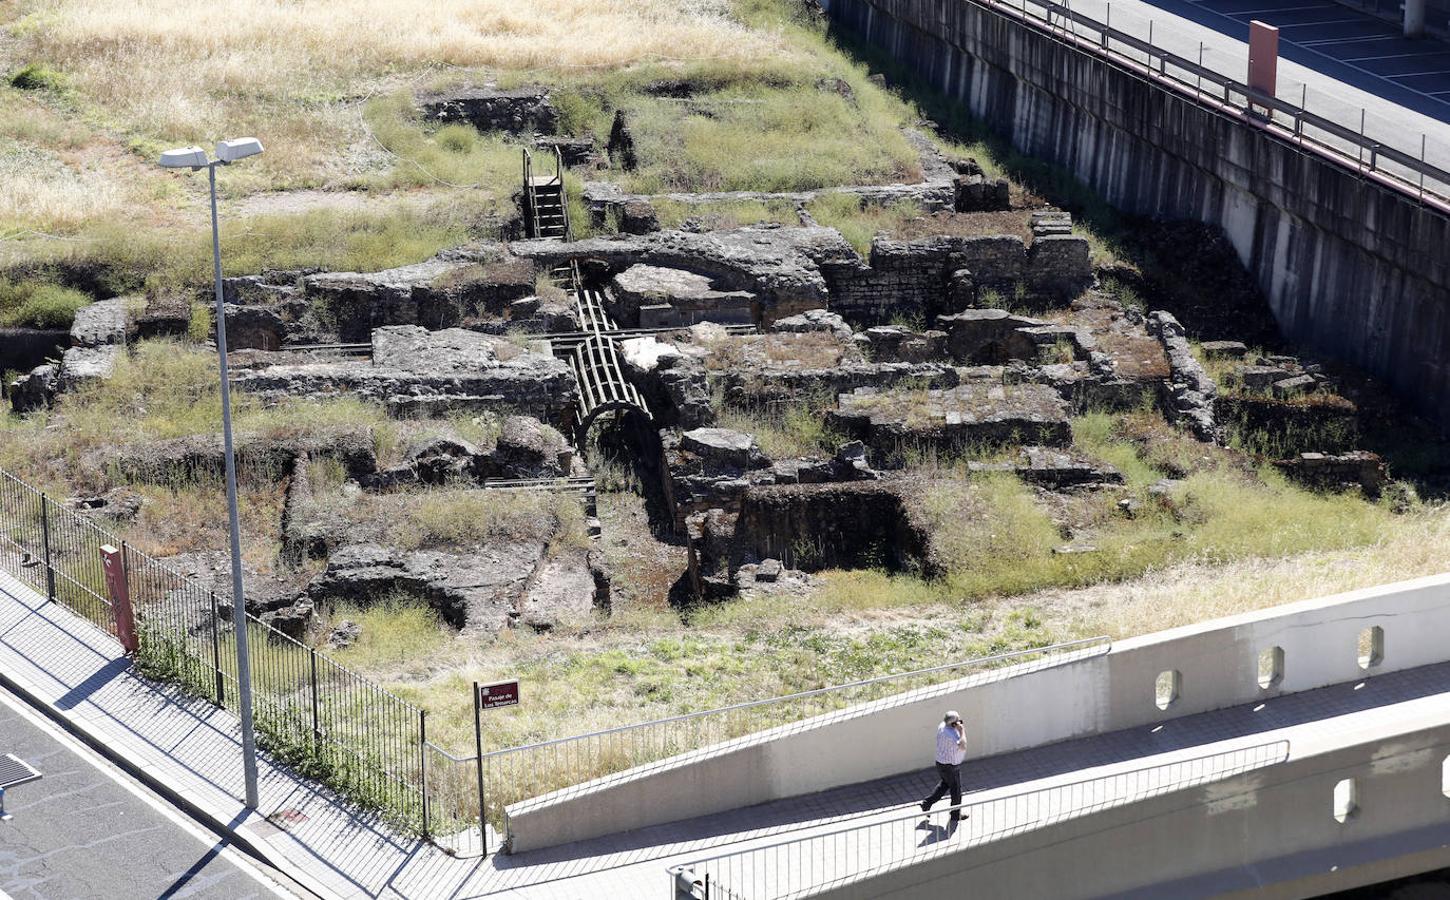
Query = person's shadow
x=936 y=832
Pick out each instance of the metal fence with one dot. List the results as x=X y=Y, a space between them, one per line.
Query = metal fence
x=339 y=728
x=806 y=865
x=1404 y=168
x=520 y=773
x=313 y=714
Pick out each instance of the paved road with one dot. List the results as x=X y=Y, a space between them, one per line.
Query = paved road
x=1338 y=61
x=87 y=831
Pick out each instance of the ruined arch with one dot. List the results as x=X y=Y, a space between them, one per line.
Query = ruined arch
x=603 y=386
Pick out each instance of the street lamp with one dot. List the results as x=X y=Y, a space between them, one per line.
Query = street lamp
x=194 y=158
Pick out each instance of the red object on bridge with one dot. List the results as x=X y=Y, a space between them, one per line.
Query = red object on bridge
x=114 y=564
x=1263 y=58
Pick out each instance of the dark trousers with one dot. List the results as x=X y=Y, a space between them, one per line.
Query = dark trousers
x=951 y=780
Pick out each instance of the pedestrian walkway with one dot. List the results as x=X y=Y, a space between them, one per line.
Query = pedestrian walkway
x=193 y=749
x=189 y=750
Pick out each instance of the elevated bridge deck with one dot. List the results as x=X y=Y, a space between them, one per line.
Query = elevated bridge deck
x=781 y=848
x=1335 y=61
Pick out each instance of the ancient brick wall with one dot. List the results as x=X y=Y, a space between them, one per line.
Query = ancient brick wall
x=822 y=526
x=932 y=276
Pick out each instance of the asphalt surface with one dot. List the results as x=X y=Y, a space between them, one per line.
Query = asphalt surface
x=1342 y=63
x=86 y=830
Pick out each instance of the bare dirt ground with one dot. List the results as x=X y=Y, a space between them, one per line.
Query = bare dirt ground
x=287 y=203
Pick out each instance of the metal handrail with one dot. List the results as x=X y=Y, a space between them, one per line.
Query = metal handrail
x=1253 y=756
x=1299 y=116
x=532 y=198
x=1104 y=641
x=563 y=197
x=529 y=195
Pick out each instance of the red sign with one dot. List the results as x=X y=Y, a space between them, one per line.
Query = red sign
x=120 y=594
x=492 y=696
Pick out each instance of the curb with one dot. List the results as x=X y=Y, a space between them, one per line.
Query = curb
x=257 y=850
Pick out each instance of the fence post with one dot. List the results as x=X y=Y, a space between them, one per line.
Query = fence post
x=316 y=731
x=423 y=765
x=126 y=567
x=125 y=614
x=478 y=756
x=1361 y=140
x=45 y=536
x=216 y=653
x=1422 y=167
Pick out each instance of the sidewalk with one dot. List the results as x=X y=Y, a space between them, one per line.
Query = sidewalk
x=190 y=752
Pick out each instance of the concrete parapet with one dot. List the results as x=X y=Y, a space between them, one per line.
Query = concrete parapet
x=1208 y=666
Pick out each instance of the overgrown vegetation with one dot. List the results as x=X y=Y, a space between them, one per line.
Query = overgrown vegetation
x=38 y=305
x=34 y=77
x=785 y=431
x=770 y=137
x=859 y=222
x=470 y=517
x=994 y=538
x=121 y=259
x=393 y=631
x=729 y=214
x=161 y=390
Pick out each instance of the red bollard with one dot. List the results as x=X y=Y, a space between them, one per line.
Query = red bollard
x=1263 y=59
x=114 y=563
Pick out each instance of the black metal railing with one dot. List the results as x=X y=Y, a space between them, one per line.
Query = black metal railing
x=1405 y=170
x=311 y=713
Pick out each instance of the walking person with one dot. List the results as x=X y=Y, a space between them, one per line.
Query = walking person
x=951 y=749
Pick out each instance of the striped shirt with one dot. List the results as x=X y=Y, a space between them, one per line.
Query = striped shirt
x=947 y=749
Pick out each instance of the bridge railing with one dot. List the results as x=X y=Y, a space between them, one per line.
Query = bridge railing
x=521 y=773
x=871 y=845
x=1348 y=144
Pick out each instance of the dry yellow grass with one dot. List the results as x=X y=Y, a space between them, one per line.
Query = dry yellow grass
x=39 y=188
x=1413 y=545
x=169 y=71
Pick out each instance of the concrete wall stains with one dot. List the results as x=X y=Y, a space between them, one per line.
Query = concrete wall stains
x=1351 y=268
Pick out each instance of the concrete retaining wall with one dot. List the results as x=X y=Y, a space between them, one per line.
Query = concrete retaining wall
x=1351 y=268
x=1267 y=834
x=1009 y=710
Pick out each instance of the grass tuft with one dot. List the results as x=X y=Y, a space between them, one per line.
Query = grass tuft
x=859 y=222
x=35 y=77
x=396 y=630
x=34 y=304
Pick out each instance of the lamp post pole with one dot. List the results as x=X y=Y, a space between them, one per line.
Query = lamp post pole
x=239 y=604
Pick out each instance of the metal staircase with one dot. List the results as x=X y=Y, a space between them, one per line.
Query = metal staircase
x=546 y=209
x=603 y=387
